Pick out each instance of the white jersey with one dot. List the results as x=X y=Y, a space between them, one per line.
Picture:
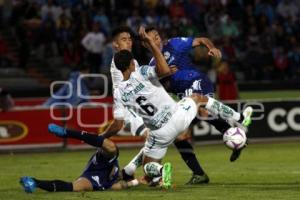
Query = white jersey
x=116 y=75
x=143 y=94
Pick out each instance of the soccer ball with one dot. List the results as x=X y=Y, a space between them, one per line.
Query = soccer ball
x=235 y=138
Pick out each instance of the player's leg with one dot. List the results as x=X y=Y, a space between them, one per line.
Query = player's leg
x=82 y=184
x=158 y=172
x=219 y=109
x=129 y=170
x=92 y=139
x=137 y=128
x=30 y=184
x=205 y=87
x=187 y=153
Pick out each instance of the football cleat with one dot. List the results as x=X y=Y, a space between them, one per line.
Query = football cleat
x=247 y=114
x=57 y=130
x=155 y=181
x=198 y=179
x=167 y=176
x=237 y=152
x=28 y=184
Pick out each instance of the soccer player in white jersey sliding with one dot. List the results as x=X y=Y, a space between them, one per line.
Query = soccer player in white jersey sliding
x=122 y=39
x=141 y=91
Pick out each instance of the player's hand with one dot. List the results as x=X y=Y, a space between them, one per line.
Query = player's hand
x=146 y=39
x=215 y=53
x=173 y=69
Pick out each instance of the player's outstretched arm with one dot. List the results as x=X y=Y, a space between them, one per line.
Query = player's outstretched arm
x=162 y=68
x=123 y=184
x=212 y=50
x=113 y=128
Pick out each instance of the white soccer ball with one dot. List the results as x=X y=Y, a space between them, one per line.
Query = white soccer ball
x=235 y=138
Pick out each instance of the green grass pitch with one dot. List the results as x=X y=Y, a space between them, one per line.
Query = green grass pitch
x=264 y=171
x=278 y=94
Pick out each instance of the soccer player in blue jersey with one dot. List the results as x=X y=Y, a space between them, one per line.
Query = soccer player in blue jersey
x=101 y=172
x=189 y=79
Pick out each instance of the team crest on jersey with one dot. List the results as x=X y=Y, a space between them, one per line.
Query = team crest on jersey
x=167 y=55
x=184 y=39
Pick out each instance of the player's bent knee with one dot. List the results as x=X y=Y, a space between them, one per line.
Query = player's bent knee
x=109 y=146
x=82 y=184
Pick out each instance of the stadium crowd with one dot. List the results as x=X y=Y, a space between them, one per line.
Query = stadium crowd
x=259 y=39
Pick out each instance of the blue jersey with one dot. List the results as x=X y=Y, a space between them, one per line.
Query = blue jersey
x=188 y=76
x=101 y=171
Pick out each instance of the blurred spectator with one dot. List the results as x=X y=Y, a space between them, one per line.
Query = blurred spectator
x=264 y=8
x=228 y=27
x=151 y=19
x=51 y=9
x=6 y=101
x=189 y=29
x=280 y=62
x=228 y=50
x=134 y=21
x=3 y=52
x=226 y=83
x=64 y=32
x=176 y=10
x=102 y=19
x=212 y=21
x=107 y=57
x=288 y=8
x=48 y=36
x=94 y=42
x=1 y=11
x=73 y=90
x=72 y=55
x=243 y=29
x=294 y=62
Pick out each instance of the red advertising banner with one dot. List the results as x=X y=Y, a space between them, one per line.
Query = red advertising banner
x=26 y=126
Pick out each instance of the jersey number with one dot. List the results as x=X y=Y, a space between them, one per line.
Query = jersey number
x=148 y=107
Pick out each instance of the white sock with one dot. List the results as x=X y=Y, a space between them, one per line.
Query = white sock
x=153 y=169
x=224 y=111
x=136 y=162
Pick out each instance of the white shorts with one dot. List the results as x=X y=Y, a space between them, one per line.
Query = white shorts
x=158 y=141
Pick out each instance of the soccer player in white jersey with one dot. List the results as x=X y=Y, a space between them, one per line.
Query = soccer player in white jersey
x=122 y=39
x=142 y=92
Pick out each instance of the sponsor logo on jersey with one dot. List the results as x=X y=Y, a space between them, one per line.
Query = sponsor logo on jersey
x=167 y=55
x=126 y=95
x=11 y=131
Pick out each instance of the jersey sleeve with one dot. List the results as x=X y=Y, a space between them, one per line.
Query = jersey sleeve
x=148 y=72
x=182 y=44
x=118 y=109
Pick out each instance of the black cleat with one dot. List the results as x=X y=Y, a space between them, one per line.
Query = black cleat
x=126 y=177
x=197 y=179
x=237 y=152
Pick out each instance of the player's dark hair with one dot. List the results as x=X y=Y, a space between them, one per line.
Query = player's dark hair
x=122 y=60
x=121 y=29
x=150 y=28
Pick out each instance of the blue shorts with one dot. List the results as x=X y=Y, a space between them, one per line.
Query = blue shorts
x=101 y=171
